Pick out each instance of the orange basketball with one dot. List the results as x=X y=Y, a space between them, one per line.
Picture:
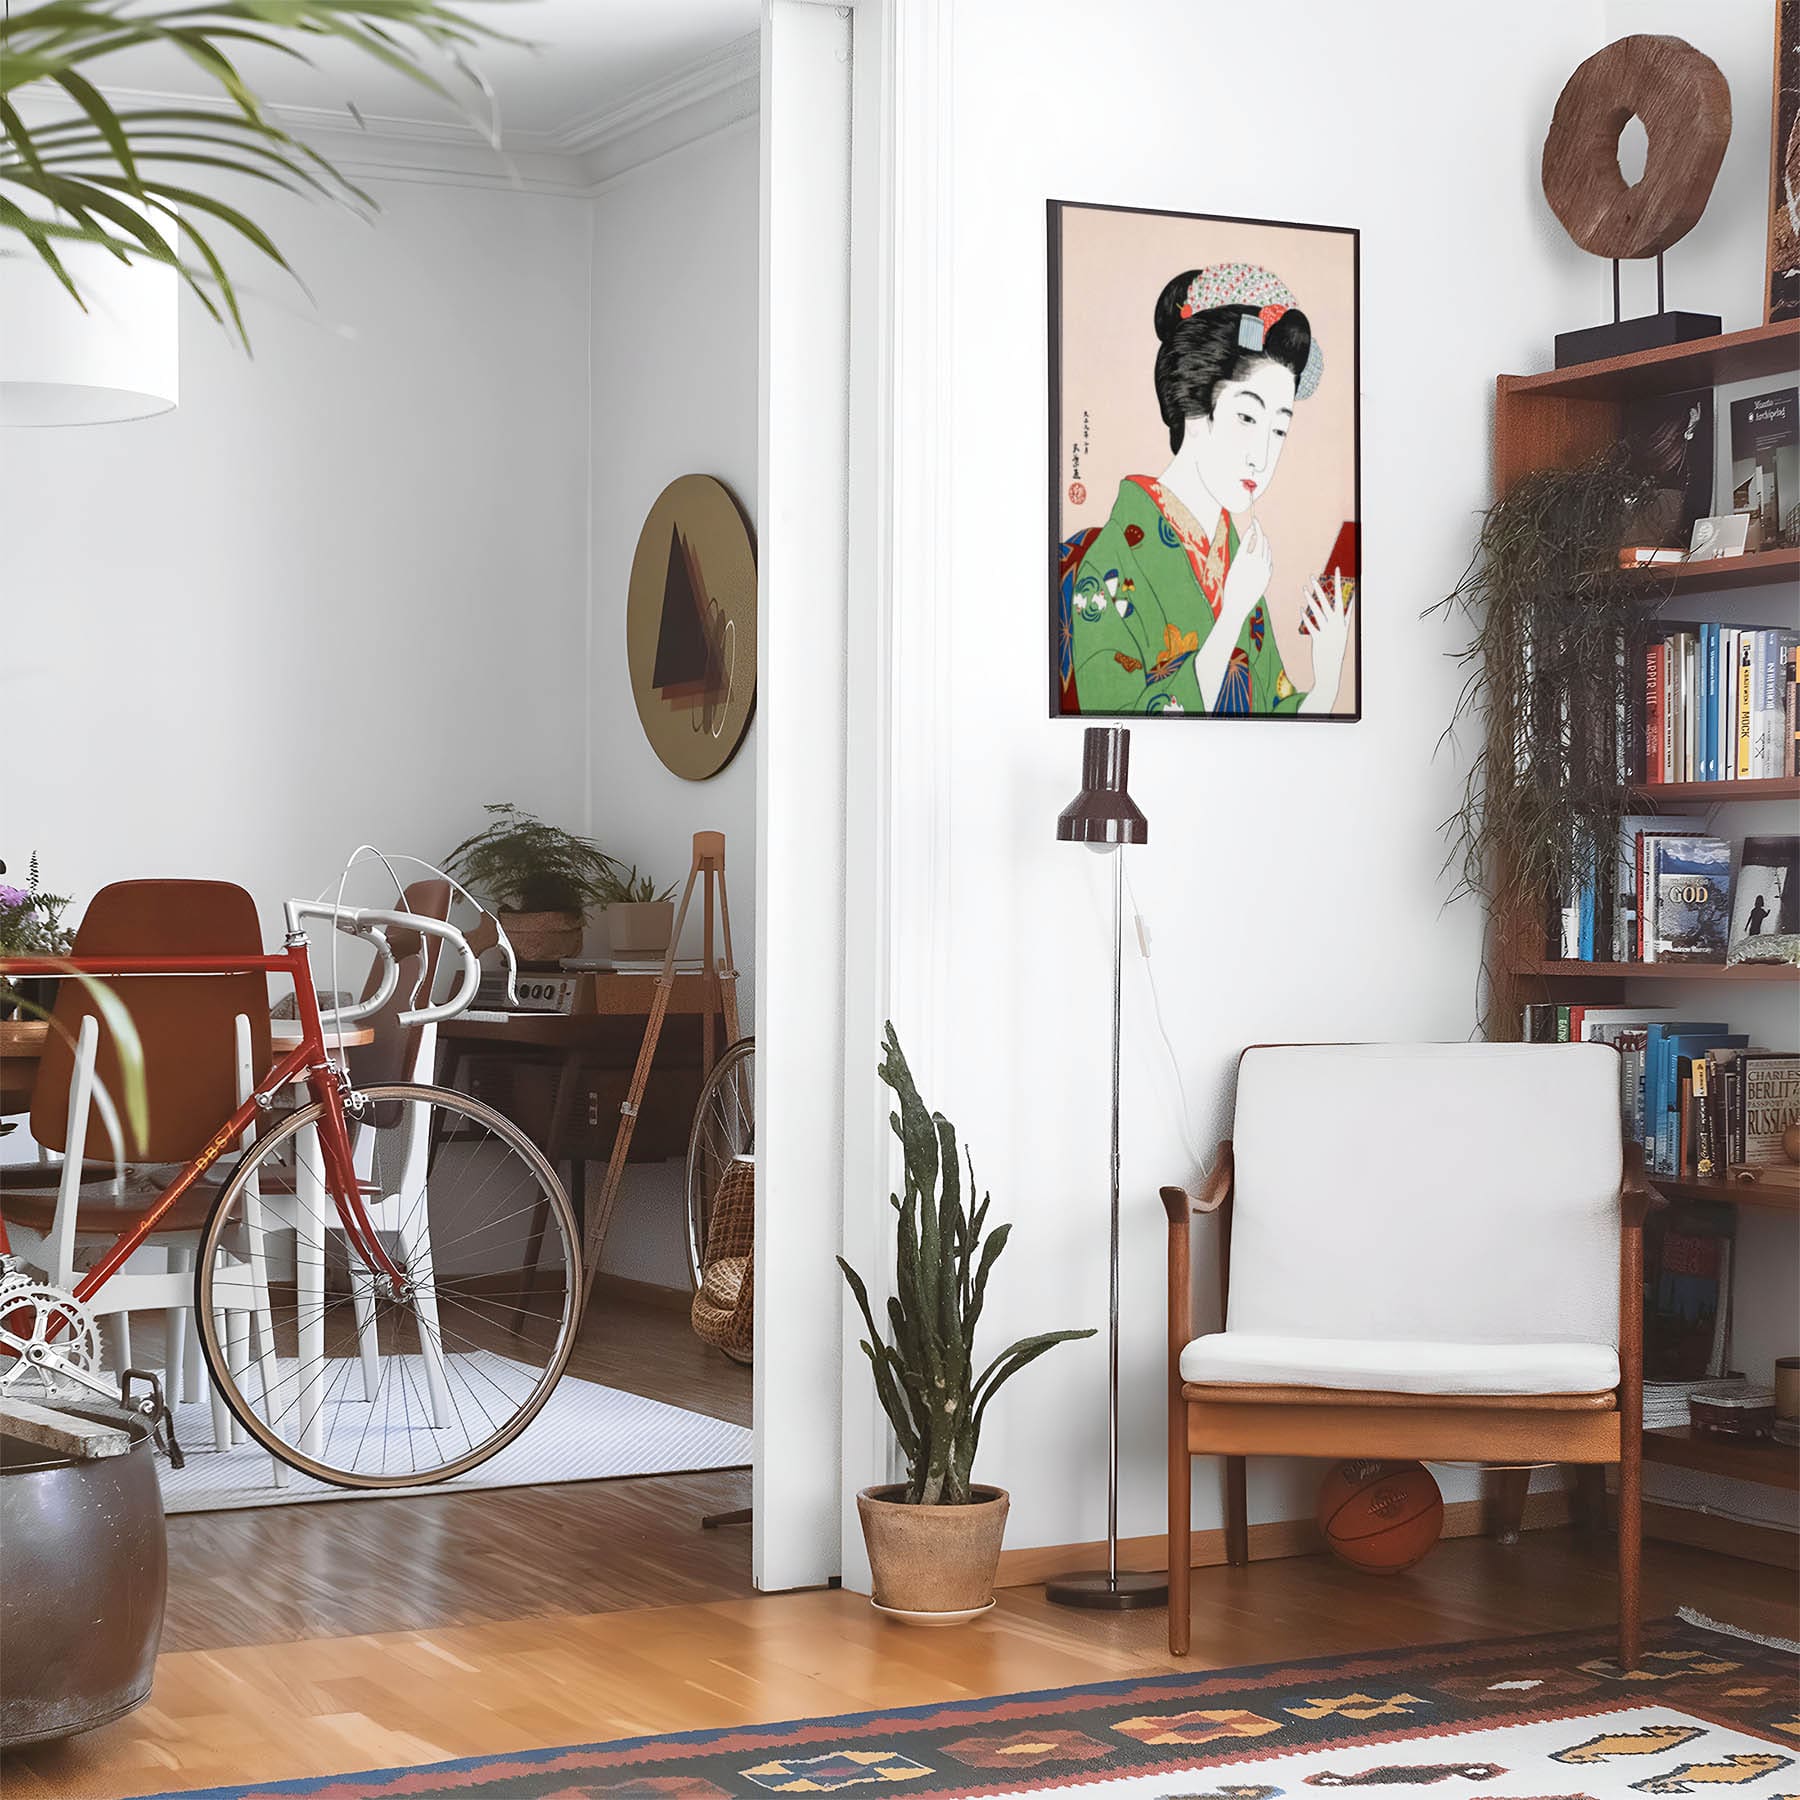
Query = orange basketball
x=1380 y=1517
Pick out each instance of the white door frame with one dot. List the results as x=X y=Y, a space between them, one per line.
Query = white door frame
x=852 y=852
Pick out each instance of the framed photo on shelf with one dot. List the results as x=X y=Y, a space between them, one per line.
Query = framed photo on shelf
x=1205 y=469
x=1783 y=297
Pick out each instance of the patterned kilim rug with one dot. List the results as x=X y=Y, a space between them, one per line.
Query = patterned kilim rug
x=1544 y=1718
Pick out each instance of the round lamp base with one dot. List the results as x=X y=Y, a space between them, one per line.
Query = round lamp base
x=1099 y=1592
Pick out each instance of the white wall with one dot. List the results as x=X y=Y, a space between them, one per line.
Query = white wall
x=1292 y=880
x=674 y=339
x=376 y=527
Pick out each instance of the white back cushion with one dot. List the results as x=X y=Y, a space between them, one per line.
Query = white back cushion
x=1456 y=1192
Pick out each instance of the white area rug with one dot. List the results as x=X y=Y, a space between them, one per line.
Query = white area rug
x=586 y=1432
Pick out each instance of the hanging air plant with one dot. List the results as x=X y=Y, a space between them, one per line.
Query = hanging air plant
x=1549 y=681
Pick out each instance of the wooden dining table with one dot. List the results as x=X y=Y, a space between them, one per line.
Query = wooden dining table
x=22 y=1044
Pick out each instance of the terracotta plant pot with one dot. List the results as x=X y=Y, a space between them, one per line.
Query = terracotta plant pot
x=933 y=1560
x=640 y=928
x=542 y=939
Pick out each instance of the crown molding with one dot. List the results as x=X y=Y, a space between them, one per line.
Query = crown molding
x=706 y=96
x=734 y=67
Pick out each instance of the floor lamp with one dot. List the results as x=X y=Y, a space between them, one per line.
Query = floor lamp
x=1104 y=817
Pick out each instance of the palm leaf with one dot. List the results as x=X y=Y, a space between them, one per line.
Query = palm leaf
x=80 y=167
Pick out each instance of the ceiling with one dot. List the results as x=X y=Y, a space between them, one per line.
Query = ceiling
x=588 y=60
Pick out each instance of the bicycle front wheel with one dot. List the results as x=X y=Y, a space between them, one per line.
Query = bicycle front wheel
x=358 y=1379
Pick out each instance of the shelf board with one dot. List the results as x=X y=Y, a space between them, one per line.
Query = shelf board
x=1770 y=1198
x=1758 y=568
x=1775 y=787
x=1765 y=350
x=1753 y=1459
x=1658 y=971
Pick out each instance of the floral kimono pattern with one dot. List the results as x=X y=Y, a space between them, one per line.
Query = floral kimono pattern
x=1139 y=595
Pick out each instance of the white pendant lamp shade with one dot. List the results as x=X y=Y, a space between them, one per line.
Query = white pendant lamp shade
x=61 y=366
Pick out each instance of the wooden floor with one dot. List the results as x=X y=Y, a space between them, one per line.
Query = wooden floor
x=336 y=1704
x=315 y=1640
x=334 y=1568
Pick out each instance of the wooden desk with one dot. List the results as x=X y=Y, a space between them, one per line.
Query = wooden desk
x=562 y=1076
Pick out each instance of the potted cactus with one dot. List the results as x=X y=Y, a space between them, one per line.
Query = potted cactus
x=934 y=1539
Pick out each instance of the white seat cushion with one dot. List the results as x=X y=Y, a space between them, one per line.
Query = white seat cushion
x=1394 y=1366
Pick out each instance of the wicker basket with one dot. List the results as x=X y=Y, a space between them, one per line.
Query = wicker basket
x=722 y=1312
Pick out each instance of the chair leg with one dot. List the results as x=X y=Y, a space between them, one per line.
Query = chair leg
x=1181 y=1529
x=1506 y=1501
x=175 y=1329
x=1590 y=1499
x=1630 y=1554
x=1237 y=1512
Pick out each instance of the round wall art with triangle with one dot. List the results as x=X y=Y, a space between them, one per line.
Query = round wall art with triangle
x=690 y=626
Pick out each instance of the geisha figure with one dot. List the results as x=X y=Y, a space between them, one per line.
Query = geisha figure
x=1165 y=606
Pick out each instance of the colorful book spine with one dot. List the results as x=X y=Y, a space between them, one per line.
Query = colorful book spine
x=1741 y=768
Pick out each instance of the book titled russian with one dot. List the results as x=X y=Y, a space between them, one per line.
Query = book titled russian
x=1770 y=1099
x=1765 y=460
x=1690 y=885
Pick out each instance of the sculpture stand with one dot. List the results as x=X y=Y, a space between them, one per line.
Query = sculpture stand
x=1624 y=337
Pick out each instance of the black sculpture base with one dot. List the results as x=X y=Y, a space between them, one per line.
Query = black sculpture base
x=1625 y=337
x=1126 y=1592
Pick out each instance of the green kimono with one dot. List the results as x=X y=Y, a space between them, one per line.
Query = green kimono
x=1138 y=599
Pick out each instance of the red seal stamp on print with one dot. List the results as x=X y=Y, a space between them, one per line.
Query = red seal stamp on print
x=1077 y=493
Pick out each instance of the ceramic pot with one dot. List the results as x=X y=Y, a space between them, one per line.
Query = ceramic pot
x=933 y=1564
x=540 y=940
x=81 y=1608
x=640 y=928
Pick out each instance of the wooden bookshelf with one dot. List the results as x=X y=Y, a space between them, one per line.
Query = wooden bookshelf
x=1551 y=970
x=1712 y=793
x=1558 y=420
x=1763 y=350
x=1758 y=568
x=1743 y=1459
x=1765 y=1197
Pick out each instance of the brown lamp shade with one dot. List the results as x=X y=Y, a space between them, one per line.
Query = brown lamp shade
x=1103 y=812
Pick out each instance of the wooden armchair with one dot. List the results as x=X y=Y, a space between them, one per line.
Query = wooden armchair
x=1428 y=1251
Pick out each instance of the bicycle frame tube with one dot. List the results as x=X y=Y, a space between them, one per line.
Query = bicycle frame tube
x=308 y=1059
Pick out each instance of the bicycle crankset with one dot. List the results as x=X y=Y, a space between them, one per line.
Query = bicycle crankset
x=46 y=1333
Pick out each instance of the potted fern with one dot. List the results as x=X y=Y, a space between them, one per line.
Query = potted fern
x=542 y=878
x=934 y=1539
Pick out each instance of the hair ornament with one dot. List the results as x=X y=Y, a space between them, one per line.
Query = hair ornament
x=1248 y=284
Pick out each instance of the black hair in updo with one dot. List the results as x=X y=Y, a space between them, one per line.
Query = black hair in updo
x=1195 y=355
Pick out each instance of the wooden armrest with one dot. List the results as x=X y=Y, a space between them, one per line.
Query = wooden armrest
x=1636 y=1196
x=1179 y=1204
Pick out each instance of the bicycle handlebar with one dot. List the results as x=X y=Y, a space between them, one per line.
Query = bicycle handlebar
x=373 y=924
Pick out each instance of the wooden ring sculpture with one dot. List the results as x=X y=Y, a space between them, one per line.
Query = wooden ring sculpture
x=1685 y=104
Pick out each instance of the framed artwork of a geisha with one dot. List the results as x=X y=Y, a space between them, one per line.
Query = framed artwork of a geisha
x=1204 y=466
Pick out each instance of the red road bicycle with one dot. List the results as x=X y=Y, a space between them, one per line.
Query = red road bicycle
x=388 y=1280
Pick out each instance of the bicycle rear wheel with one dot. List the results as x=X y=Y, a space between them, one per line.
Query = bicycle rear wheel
x=724 y=1127
x=348 y=1376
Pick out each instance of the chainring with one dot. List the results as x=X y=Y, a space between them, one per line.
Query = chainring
x=34 y=1312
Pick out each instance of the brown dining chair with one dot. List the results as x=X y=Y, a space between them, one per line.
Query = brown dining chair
x=197 y=1036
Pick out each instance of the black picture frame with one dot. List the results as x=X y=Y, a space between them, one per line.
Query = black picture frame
x=1055 y=212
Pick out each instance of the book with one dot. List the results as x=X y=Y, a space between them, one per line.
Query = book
x=1741 y=754
x=1689 y=884
x=1766 y=898
x=1765 y=459
x=1769 y=1102
x=1633 y=828
x=1687 y=1302
x=1768 y=701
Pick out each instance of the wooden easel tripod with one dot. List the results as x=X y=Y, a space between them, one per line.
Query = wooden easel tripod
x=720 y=978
